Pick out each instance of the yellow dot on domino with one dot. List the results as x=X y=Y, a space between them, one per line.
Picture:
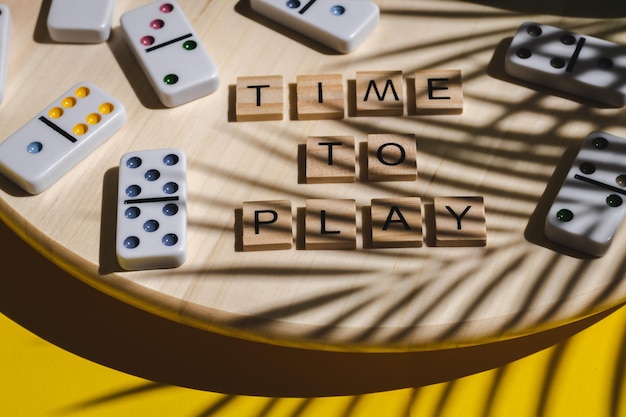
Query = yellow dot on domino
x=93 y=118
x=82 y=92
x=68 y=102
x=105 y=108
x=80 y=129
x=55 y=112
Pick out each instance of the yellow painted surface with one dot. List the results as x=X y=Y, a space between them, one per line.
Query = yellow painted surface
x=580 y=376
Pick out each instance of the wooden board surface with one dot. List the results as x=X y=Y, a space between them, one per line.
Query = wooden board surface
x=511 y=145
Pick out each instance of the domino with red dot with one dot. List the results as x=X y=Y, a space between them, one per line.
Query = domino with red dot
x=172 y=56
x=59 y=137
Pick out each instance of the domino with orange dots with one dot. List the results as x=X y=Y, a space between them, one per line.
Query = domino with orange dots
x=60 y=136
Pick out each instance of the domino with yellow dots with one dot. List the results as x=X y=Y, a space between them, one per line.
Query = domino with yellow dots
x=59 y=137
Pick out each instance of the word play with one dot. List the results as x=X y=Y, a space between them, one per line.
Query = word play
x=80 y=21
x=152 y=209
x=569 y=62
x=378 y=93
x=589 y=207
x=173 y=58
x=395 y=222
x=340 y=27
x=5 y=37
x=60 y=136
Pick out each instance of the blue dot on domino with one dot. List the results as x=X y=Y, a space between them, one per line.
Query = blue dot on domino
x=151 y=226
x=337 y=10
x=132 y=212
x=131 y=242
x=170 y=160
x=133 y=190
x=170 y=188
x=34 y=147
x=170 y=239
x=170 y=209
x=152 y=175
x=133 y=162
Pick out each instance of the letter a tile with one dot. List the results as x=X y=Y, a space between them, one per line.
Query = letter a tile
x=460 y=221
x=267 y=225
x=379 y=93
x=396 y=222
x=259 y=98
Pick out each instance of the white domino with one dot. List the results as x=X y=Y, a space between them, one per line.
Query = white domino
x=152 y=209
x=591 y=203
x=569 y=62
x=60 y=136
x=173 y=58
x=5 y=38
x=80 y=21
x=339 y=24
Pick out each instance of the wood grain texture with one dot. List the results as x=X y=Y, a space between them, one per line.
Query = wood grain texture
x=512 y=145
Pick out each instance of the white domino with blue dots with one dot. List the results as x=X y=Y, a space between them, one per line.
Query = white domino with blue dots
x=5 y=39
x=152 y=209
x=80 y=21
x=569 y=62
x=591 y=203
x=59 y=137
x=172 y=56
x=341 y=25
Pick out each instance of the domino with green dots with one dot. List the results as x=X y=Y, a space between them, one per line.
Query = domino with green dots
x=172 y=56
x=152 y=209
x=591 y=203
x=59 y=137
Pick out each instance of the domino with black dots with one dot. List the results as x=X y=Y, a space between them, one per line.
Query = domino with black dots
x=59 y=137
x=342 y=26
x=172 y=56
x=152 y=209
x=5 y=39
x=591 y=203
x=569 y=62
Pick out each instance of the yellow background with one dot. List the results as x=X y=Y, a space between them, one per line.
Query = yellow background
x=68 y=350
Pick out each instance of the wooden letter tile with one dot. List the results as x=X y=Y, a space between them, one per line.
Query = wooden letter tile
x=438 y=92
x=391 y=157
x=460 y=221
x=330 y=224
x=259 y=98
x=379 y=93
x=396 y=222
x=267 y=225
x=320 y=96
x=330 y=159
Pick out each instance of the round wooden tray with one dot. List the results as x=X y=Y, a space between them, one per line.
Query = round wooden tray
x=512 y=145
